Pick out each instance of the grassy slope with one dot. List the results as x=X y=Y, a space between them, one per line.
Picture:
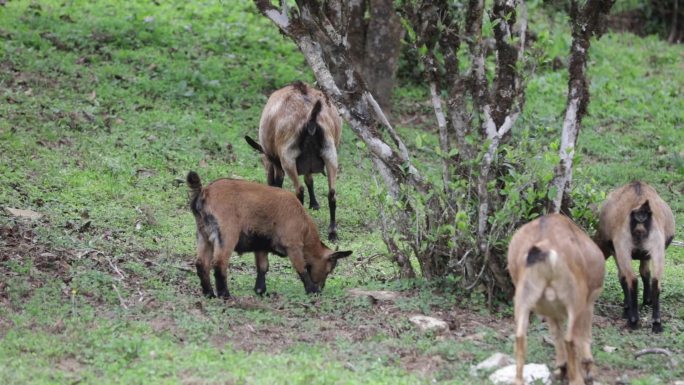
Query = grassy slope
x=103 y=107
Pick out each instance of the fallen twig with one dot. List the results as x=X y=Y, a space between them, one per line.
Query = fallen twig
x=643 y=352
x=121 y=300
x=184 y=268
x=116 y=269
x=85 y=252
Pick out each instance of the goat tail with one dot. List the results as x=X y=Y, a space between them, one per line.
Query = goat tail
x=194 y=182
x=536 y=255
x=195 y=185
x=311 y=125
x=254 y=144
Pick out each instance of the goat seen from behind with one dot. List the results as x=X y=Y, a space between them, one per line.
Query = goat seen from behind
x=635 y=223
x=299 y=134
x=241 y=216
x=558 y=272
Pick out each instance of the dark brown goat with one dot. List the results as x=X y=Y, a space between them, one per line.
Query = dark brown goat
x=635 y=223
x=299 y=134
x=241 y=216
x=558 y=272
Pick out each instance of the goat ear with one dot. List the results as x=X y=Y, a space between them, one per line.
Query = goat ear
x=339 y=255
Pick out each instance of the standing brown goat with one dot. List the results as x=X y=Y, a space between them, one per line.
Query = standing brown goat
x=558 y=272
x=635 y=223
x=299 y=134
x=236 y=215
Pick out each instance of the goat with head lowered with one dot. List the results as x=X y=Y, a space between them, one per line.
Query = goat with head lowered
x=241 y=216
x=558 y=272
x=299 y=133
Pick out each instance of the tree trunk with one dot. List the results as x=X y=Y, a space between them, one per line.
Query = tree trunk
x=383 y=46
x=374 y=43
x=586 y=21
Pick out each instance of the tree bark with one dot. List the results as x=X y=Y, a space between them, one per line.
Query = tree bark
x=586 y=21
x=383 y=47
x=373 y=42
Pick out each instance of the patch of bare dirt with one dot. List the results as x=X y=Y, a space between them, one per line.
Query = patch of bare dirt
x=70 y=364
x=422 y=365
x=18 y=244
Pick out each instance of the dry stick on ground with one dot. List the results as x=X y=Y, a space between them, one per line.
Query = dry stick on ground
x=116 y=269
x=121 y=300
x=646 y=351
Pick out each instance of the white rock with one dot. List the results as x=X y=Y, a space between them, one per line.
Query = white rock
x=531 y=373
x=19 y=213
x=495 y=361
x=378 y=295
x=425 y=323
x=609 y=349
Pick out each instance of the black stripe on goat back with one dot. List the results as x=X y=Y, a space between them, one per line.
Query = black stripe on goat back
x=300 y=86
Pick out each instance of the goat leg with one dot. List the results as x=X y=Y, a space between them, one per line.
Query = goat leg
x=203 y=275
x=657 y=323
x=332 y=203
x=261 y=259
x=646 y=280
x=313 y=203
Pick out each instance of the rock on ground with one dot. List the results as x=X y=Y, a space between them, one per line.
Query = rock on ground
x=531 y=373
x=19 y=213
x=377 y=295
x=425 y=323
x=495 y=361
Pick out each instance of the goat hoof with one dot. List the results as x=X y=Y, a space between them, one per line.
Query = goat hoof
x=657 y=327
x=314 y=206
x=561 y=372
x=224 y=294
x=260 y=291
x=209 y=294
x=332 y=236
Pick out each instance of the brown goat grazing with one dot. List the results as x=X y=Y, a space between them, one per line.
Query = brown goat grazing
x=299 y=134
x=241 y=216
x=635 y=223
x=558 y=272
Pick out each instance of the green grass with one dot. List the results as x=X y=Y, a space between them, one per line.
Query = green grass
x=104 y=108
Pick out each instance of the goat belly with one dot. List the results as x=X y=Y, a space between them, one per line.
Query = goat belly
x=258 y=242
